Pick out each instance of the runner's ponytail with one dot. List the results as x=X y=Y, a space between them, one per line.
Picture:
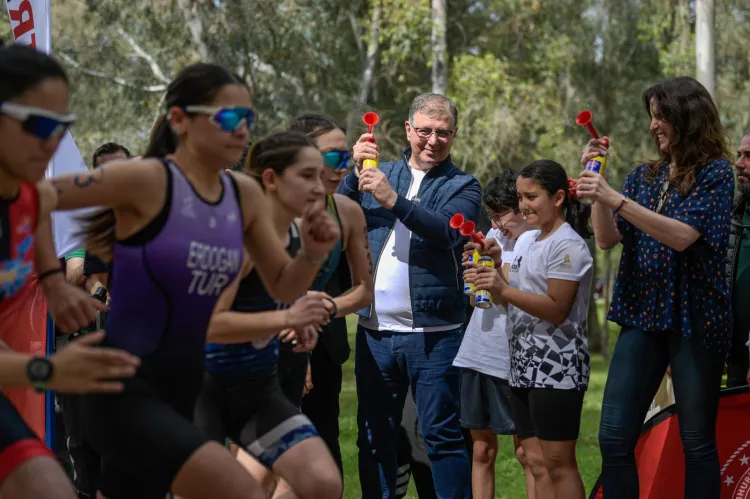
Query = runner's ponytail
x=99 y=233
x=163 y=141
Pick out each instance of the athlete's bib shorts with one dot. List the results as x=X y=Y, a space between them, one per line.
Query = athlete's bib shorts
x=256 y=415
x=145 y=434
x=18 y=443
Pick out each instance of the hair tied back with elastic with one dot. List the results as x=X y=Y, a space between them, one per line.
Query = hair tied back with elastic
x=573 y=188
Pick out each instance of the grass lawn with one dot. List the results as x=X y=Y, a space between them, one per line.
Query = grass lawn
x=509 y=477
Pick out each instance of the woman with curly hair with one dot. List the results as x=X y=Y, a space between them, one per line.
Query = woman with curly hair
x=671 y=299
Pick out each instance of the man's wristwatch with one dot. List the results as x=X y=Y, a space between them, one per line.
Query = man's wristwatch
x=39 y=371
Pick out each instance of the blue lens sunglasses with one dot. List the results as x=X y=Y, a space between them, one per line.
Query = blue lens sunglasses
x=338 y=160
x=40 y=123
x=228 y=119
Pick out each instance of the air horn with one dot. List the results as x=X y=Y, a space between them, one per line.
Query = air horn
x=468 y=228
x=370 y=119
x=597 y=164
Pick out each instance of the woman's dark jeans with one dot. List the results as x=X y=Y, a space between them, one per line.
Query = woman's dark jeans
x=638 y=366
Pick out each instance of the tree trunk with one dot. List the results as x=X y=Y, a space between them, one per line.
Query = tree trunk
x=368 y=72
x=195 y=25
x=595 y=343
x=439 y=48
x=705 y=44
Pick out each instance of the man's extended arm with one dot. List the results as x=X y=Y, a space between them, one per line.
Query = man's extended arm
x=434 y=226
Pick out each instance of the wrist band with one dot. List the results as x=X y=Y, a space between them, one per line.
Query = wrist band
x=622 y=203
x=48 y=273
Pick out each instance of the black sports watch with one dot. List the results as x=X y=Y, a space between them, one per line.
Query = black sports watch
x=39 y=371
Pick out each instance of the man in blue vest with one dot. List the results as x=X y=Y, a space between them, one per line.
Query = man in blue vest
x=412 y=332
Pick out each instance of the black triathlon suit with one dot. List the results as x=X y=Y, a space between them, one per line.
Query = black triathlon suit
x=242 y=400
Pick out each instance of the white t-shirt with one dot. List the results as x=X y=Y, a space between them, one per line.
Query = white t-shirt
x=485 y=347
x=544 y=355
x=391 y=309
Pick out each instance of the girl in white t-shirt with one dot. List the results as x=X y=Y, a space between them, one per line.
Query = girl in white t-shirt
x=547 y=294
x=484 y=356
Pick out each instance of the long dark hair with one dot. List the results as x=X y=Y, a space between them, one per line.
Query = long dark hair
x=699 y=135
x=195 y=85
x=22 y=68
x=552 y=177
x=276 y=151
x=314 y=125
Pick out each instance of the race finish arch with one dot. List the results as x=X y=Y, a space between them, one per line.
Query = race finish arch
x=660 y=461
x=26 y=326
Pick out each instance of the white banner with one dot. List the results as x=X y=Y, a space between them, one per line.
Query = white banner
x=31 y=22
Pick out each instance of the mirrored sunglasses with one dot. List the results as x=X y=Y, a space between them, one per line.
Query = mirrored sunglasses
x=228 y=119
x=40 y=123
x=338 y=160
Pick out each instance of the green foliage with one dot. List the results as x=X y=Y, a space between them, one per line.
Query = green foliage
x=519 y=70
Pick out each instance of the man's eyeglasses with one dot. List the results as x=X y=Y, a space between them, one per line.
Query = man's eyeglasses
x=228 y=119
x=40 y=123
x=425 y=133
x=337 y=160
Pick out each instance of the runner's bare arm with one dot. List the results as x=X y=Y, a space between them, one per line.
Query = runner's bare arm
x=45 y=258
x=228 y=326
x=120 y=184
x=69 y=306
x=359 y=258
x=13 y=369
x=284 y=279
x=74 y=271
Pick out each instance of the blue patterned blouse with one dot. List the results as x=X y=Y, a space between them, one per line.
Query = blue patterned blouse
x=661 y=289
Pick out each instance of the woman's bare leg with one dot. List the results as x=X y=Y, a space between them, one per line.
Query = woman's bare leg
x=40 y=478
x=213 y=473
x=260 y=473
x=309 y=471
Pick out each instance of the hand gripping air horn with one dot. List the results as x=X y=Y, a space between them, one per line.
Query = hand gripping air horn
x=596 y=164
x=370 y=119
x=467 y=228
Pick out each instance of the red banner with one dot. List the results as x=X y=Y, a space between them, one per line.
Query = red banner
x=23 y=327
x=661 y=464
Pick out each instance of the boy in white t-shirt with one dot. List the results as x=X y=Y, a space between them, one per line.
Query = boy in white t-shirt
x=484 y=355
x=547 y=294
